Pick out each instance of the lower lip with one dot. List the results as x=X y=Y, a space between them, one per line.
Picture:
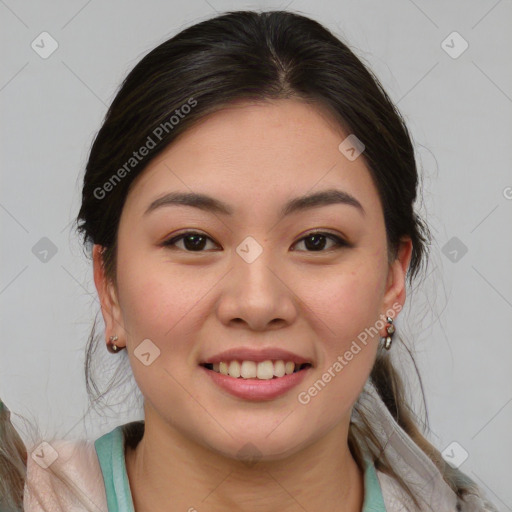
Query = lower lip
x=256 y=389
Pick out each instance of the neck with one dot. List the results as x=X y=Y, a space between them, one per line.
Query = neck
x=169 y=468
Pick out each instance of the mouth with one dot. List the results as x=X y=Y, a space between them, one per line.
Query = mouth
x=252 y=370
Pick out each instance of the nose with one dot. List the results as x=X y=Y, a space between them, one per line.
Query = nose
x=257 y=295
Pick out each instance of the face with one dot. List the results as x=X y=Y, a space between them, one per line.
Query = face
x=311 y=281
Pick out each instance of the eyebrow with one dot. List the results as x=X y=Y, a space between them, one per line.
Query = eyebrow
x=302 y=203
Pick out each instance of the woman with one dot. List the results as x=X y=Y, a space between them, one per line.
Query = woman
x=249 y=203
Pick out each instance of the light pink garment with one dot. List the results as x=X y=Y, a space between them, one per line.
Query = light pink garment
x=79 y=461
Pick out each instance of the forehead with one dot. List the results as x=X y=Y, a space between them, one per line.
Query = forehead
x=256 y=154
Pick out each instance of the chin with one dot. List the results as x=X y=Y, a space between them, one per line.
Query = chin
x=257 y=444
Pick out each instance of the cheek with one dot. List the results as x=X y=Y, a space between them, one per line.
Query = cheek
x=163 y=302
x=342 y=310
x=157 y=305
x=342 y=303
x=153 y=295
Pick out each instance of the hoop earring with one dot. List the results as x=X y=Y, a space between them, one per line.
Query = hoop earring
x=390 y=330
x=112 y=347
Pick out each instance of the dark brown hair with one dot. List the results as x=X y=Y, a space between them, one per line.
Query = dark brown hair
x=263 y=56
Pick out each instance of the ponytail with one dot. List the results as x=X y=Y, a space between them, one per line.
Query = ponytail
x=13 y=464
x=390 y=387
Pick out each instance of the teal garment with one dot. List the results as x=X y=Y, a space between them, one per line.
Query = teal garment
x=110 y=449
x=373 y=499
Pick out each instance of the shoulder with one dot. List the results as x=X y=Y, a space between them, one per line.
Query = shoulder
x=395 y=497
x=432 y=497
x=64 y=476
x=413 y=466
x=73 y=476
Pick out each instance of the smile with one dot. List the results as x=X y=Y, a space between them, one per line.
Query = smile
x=264 y=370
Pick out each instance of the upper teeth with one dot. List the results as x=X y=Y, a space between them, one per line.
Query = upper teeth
x=250 y=369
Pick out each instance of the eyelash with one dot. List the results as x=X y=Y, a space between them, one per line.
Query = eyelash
x=340 y=242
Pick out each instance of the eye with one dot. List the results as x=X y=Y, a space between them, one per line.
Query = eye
x=316 y=241
x=193 y=241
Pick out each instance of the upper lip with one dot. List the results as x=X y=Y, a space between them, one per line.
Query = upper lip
x=256 y=355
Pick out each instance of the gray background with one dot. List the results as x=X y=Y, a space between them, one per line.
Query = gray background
x=458 y=108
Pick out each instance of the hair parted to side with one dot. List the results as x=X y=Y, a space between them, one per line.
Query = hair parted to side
x=260 y=56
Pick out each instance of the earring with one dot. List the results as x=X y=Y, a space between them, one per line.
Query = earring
x=390 y=329
x=112 y=347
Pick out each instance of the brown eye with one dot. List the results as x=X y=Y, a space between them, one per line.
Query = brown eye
x=316 y=242
x=192 y=241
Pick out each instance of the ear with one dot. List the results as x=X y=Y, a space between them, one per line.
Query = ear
x=108 y=299
x=396 y=280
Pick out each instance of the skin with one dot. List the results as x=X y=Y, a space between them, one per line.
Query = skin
x=191 y=305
